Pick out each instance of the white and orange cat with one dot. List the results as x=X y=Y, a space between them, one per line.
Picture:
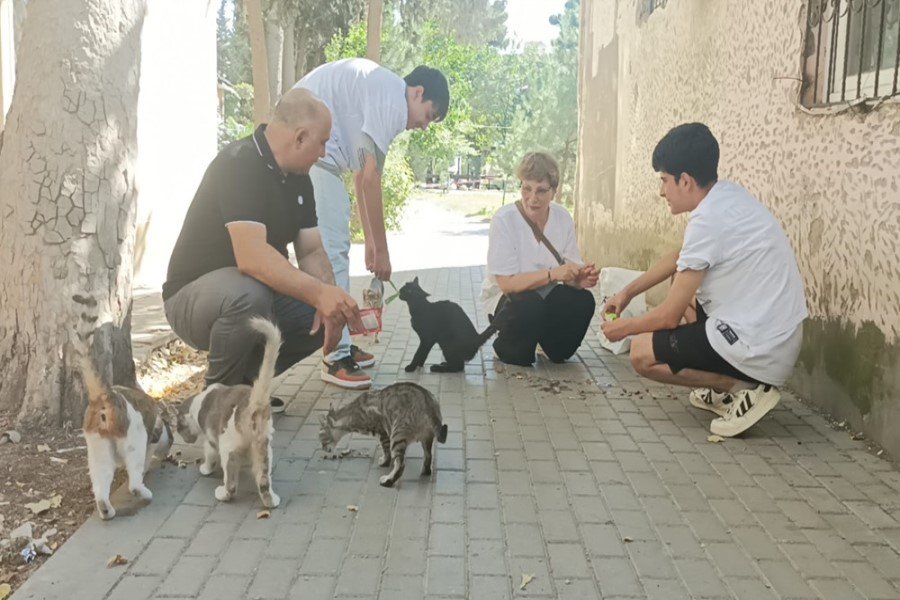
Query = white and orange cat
x=123 y=426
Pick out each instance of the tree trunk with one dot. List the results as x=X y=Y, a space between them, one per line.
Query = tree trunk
x=373 y=30
x=274 y=48
x=301 y=51
x=261 y=103
x=289 y=66
x=67 y=203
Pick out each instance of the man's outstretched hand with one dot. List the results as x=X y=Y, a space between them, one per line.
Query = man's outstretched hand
x=334 y=309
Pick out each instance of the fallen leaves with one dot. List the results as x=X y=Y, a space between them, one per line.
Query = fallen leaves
x=116 y=561
x=715 y=439
x=44 y=505
x=526 y=579
x=263 y=514
x=5 y=591
x=10 y=436
x=352 y=508
x=43 y=448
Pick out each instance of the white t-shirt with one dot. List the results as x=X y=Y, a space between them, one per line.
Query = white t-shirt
x=752 y=291
x=513 y=249
x=364 y=98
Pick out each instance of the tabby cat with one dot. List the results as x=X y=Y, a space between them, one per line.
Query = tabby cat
x=443 y=323
x=399 y=414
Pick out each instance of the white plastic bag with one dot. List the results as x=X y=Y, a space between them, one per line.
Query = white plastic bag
x=612 y=280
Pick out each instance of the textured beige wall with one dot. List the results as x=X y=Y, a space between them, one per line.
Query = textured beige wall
x=832 y=180
x=177 y=122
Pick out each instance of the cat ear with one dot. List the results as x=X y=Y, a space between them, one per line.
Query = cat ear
x=416 y=280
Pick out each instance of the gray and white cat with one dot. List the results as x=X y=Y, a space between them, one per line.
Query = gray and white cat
x=399 y=414
x=236 y=420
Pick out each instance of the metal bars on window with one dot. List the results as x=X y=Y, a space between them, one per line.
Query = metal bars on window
x=852 y=51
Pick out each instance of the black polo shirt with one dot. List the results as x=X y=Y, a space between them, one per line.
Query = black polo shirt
x=243 y=183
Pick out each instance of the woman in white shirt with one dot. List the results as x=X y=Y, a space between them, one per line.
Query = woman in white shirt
x=535 y=271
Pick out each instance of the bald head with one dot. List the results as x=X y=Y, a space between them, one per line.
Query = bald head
x=298 y=108
x=298 y=131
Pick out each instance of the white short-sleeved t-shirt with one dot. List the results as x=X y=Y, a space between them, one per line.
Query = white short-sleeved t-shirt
x=364 y=98
x=752 y=291
x=513 y=249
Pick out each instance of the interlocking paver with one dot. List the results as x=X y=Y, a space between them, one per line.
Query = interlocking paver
x=608 y=489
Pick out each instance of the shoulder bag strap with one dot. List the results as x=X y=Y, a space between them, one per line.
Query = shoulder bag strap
x=538 y=234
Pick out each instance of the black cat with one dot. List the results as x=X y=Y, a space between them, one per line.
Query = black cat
x=446 y=324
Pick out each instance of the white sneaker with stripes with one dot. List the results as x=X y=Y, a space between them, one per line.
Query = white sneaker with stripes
x=746 y=409
x=711 y=400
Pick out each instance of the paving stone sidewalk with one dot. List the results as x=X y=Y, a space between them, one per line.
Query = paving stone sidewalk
x=593 y=481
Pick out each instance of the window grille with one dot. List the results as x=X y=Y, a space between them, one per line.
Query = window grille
x=852 y=51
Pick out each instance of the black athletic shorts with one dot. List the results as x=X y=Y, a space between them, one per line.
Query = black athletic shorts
x=688 y=347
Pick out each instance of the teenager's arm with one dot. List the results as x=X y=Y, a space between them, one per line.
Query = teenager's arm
x=665 y=316
x=368 y=189
x=662 y=270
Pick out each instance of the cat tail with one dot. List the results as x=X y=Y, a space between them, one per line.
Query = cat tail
x=442 y=434
x=259 y=395
x=80 y=339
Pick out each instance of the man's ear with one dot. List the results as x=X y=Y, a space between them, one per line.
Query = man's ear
x=300 y=135
x=418 y=91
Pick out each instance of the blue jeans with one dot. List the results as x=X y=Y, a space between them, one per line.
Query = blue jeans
x=333 y=212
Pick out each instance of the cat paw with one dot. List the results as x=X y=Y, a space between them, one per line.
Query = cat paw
x=142 y=491
x=426 y=472
x=437 y=368
x=386 y=481
x=106 y=510
x=273 y=500
x=410 y=368
x=207 y=468
x=222 y=494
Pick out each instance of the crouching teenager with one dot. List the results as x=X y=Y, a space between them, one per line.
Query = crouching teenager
x=732 y=323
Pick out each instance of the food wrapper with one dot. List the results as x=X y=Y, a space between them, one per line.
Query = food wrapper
x=371 y=320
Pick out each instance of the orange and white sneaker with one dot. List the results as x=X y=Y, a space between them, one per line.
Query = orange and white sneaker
x=345 y=373
x=361 y=357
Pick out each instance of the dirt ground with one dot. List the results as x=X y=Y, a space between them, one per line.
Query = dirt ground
x=51 y=465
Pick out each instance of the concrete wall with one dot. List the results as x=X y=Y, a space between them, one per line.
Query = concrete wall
x=833 y=180
x=177 y=122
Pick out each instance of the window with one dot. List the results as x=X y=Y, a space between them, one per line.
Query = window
x=852 y=51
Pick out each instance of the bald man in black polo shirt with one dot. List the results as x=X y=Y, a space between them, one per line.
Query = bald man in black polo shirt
x=231 y=260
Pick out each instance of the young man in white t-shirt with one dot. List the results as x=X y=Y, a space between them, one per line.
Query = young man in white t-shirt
x=736 y=283
x=369 y=106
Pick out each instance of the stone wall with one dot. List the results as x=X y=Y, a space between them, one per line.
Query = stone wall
x=833 y=180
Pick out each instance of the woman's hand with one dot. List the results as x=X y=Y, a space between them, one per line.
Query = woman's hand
x=587 y=278
x=567 y=273
x=616 y=305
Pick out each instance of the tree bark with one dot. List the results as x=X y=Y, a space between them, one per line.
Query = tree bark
x=373 y=30
x=301 y=43
x=289 y=64
x=261 y=102
x=274 y=49
x=67 y=203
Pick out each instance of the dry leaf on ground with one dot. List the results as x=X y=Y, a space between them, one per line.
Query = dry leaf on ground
x=352 y=508
x=5 y=591
x=263 y=514
x=526 y=579
x=715 y=439
x=116 y=560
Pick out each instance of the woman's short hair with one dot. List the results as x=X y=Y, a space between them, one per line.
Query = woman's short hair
x=539 y=166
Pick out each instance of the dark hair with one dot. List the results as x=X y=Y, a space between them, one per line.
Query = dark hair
x=436 y=89
x=689 y=148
